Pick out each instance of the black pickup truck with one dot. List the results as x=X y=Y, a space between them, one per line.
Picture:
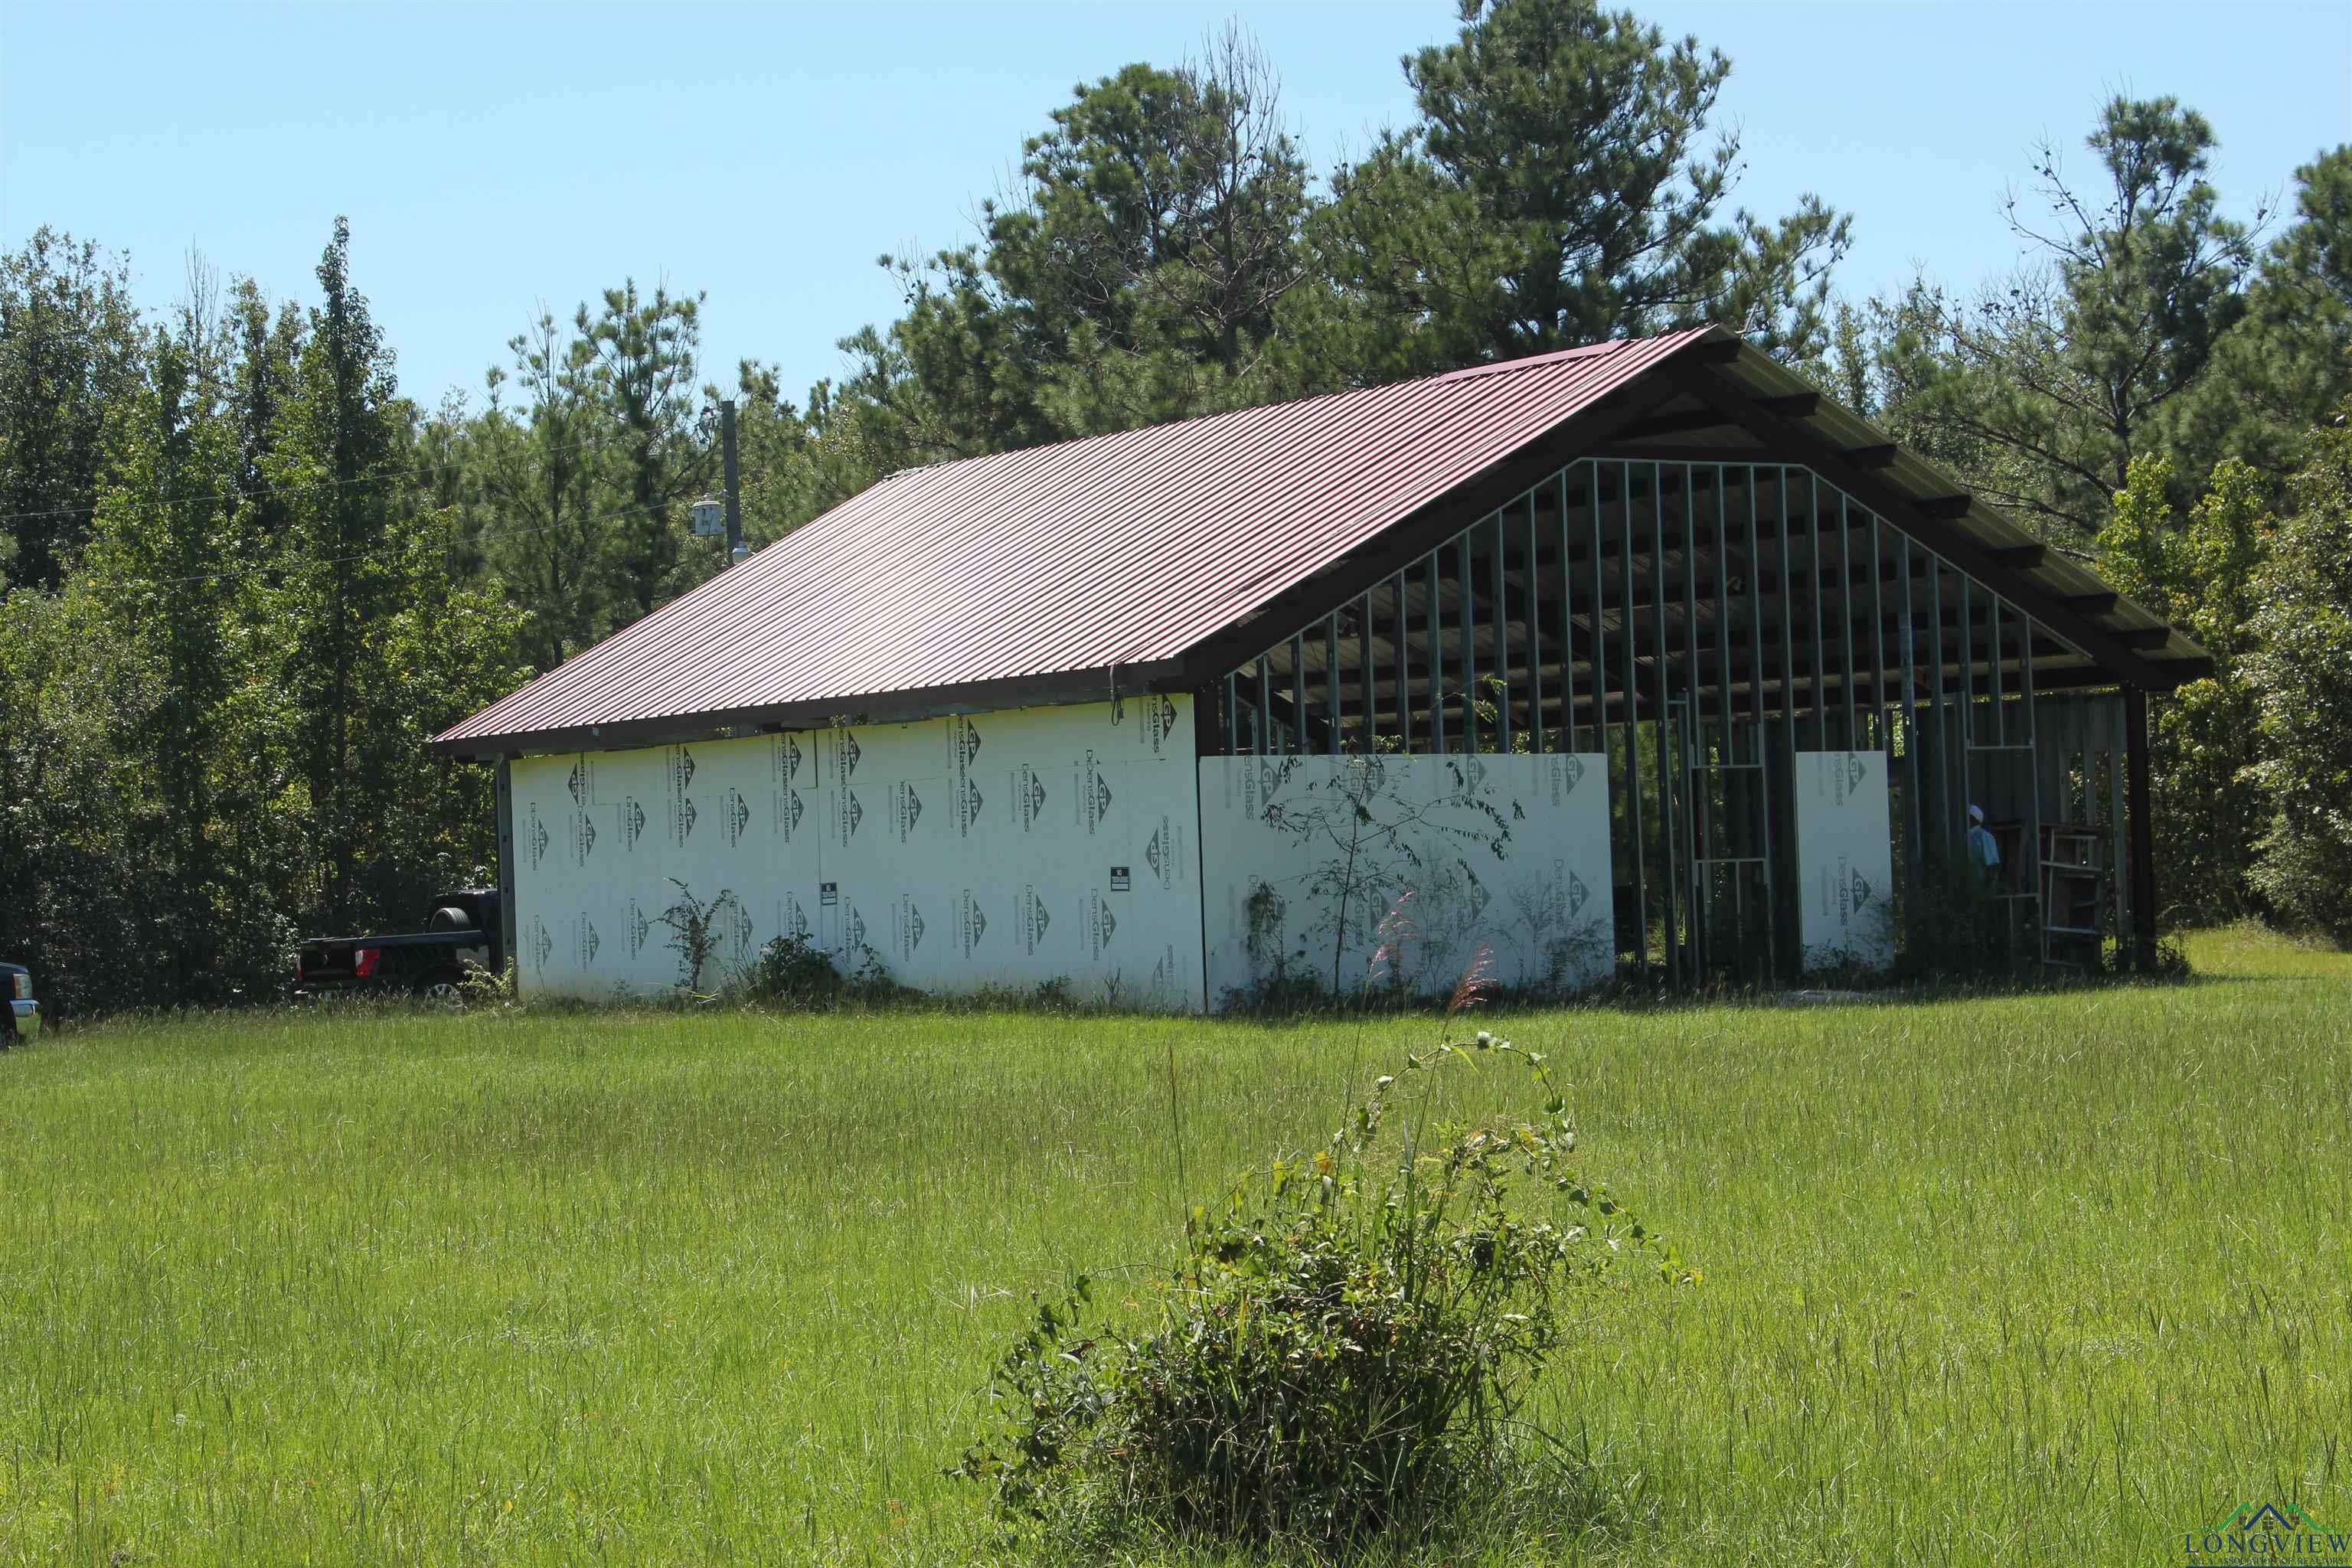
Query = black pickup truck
x=462 y=936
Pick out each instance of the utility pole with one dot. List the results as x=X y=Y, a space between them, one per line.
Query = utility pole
x=727 y=464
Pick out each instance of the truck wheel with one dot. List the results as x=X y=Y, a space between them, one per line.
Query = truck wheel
x=443 y=987
x=450 y=918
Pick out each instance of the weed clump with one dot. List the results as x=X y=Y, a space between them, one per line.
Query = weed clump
x=795 y=970
x=1346 y=1345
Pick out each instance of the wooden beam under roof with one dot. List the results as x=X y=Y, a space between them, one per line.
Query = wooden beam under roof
x=1682 y=421
x=1678 y=422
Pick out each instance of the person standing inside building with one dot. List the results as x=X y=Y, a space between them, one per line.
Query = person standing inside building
x=1984 y=852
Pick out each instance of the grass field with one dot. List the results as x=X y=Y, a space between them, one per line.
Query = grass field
x=2045 y=1279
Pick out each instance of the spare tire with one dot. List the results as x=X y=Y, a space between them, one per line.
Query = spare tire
x=450 y=918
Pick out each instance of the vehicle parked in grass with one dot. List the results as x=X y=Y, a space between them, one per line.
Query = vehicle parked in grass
x=23 y=1012
x=462 y=937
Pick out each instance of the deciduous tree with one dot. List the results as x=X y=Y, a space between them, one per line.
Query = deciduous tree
x=2304 y=674
x=2085 y=361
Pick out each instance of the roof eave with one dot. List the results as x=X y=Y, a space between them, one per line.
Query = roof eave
x=1062 y=688
x=1975 y=533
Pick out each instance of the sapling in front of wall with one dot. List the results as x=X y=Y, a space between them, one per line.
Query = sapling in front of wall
x=1376 y=844
x=699 y=929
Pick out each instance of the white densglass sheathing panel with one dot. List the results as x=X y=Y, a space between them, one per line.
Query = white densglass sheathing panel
x=998 y=850
x=1845 y=876
x=1505 y=853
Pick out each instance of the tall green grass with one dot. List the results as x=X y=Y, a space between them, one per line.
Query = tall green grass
x=2017 y=1280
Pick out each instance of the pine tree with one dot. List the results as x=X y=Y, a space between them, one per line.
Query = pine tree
x=1560 y=189
x=1143 y=275
x=334 y=470
x=2287 y=364
x=70 y=349
x=551 y=532
x=643 y=371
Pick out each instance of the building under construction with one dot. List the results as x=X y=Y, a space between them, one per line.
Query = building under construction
x=1645 y=658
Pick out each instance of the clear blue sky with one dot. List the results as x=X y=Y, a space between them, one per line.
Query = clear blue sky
x=494 y=160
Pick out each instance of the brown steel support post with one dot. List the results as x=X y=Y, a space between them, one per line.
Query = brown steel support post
x=1625 y=626
x=1403 y=673
x=1261 y=730
x=1535 y=634
x=1469 y=650
x=504 y=790
x=1436 y=629
x=1331 y=679
x=1299 y=693
x=1502 y=660
x=1208 y=722
x=2141 y=827
x=1666 y=861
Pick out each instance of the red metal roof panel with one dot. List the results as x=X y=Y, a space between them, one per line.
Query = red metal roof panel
x=1118 y=550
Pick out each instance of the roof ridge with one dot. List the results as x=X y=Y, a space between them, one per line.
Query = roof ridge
x=1469 y=372
x=1530 y=361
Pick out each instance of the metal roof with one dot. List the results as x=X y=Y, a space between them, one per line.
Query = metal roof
x=1060 y=572
x=1114 y=553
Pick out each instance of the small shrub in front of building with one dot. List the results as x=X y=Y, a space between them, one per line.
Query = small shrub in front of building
x=795 y=969
x=1345 y=1348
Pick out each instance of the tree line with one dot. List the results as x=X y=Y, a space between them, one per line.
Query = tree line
x=245 y=577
